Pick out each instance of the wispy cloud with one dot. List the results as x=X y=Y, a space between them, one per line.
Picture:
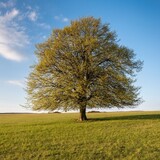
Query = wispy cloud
x=44 y=25
x=10 y=15
x=12 y=36
x=16 y=83
x=65 y=20
x=57 y=17
x=61 y=18
x=10 y=53
x=13 y=32
x=7 y=4
x=32 y=13
x=32 y=16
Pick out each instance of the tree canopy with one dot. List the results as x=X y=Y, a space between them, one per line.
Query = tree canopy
x=83 y=66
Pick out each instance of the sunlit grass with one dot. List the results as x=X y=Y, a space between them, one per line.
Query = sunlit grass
x=106 y=136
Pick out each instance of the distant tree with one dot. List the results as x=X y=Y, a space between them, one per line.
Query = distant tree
x=83 y=66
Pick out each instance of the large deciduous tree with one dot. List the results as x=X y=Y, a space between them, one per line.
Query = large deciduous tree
x=83 y=66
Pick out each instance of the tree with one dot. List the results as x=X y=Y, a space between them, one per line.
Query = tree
x=83 y=66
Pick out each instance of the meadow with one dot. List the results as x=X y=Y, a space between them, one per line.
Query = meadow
x=106 y=136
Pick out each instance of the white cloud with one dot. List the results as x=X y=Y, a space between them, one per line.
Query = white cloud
x=44 y=25
x=10 y=54
x=7 y=4
x=65 y=19
x=16 y=83
x=12 y=36
x=29 y=7
x=56 y=17
x=10 y=15
x=44 y=36
x=61 y=18
x=32 y=16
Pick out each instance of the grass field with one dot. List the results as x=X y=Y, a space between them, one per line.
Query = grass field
x=106 y=136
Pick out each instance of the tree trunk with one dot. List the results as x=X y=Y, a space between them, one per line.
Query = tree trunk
x=83 y=116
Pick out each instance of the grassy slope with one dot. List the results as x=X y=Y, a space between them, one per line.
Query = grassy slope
x=106 y=136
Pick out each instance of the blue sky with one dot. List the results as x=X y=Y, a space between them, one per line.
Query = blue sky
x=26 y=23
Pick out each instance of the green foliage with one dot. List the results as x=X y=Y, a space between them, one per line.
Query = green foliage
x=82 y=65
x=123 y=135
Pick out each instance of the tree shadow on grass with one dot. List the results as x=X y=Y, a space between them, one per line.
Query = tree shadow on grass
x=129 y=117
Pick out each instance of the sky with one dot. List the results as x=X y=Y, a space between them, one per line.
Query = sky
x=23 y=24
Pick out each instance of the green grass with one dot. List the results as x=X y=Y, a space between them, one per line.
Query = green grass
x=106 y=136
